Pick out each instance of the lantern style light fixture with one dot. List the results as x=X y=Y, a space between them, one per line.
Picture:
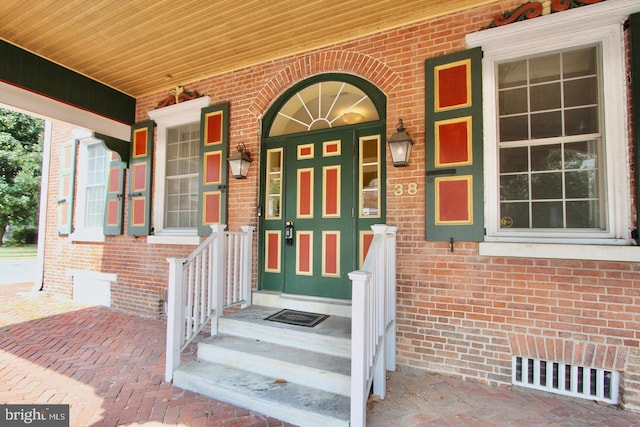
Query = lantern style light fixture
x=400 y=145
x=239 y=162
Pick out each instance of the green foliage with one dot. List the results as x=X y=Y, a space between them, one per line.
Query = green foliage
x=20 y=169
x=25 y=235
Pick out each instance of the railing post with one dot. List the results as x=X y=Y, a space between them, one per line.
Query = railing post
x=359 y=381
x=219 y=274
x=390 y=246
x=379 y=291
x=175 y=324
x=245 y=269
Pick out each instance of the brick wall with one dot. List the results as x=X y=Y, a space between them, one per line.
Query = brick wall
x=458 y=312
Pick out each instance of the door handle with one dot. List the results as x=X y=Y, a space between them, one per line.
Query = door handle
x=288 y=232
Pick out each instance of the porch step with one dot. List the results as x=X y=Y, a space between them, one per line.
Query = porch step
x=289 y=402
x=308 y=368
x=293 y=373
x=332 y=336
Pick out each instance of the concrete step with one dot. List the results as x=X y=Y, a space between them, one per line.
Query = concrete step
x=332 y=306
x=312 y=369
x=332 y=336
x=289 y=402
x=297 y=374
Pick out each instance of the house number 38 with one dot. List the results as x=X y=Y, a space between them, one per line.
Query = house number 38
x=412 y=189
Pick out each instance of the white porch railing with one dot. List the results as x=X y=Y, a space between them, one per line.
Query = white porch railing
x=373 y=321
x=215 y=276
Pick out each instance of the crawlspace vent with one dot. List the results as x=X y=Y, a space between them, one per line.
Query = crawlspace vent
x=568 y=380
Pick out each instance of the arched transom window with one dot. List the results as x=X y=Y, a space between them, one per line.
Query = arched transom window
x=323 y=105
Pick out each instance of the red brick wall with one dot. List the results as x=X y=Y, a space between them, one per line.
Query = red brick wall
x=458 y=312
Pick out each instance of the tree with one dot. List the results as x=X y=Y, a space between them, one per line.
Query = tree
x=20 y=169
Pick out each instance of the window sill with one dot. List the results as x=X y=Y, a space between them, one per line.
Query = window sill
x=595 y=252
x=87 y=235
x=174 y=239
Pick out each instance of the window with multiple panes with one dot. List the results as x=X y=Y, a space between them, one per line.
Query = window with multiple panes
x=550 y=143
x=92 y=172
x=96 y=178
x=182 y=162
x=556 y=156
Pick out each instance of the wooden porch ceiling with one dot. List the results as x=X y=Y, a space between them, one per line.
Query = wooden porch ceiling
x=142 y=47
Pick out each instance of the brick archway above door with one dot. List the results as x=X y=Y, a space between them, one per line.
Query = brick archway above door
x=365 y=66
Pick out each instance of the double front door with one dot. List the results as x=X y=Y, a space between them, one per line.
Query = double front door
x=318 y=197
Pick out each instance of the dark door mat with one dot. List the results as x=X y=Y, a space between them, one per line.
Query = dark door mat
x=300 y=318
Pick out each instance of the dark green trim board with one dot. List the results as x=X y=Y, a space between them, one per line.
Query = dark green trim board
x=36 y=74
x=634 y=28
x=123 y=148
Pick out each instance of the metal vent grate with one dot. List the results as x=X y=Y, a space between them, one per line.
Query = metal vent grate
x=568 y=380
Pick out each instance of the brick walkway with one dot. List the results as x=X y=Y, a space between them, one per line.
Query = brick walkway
x=109 y=367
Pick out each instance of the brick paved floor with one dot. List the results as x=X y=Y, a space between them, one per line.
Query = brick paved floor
x=109 y=367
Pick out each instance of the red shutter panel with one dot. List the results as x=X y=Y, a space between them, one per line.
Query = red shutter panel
x=66 y=184
x=214 y=148
x=453 y=143
x=139 y=219
x=114 y=200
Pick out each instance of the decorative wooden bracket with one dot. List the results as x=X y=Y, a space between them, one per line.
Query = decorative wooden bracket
x=178 y=94
x=536 y=8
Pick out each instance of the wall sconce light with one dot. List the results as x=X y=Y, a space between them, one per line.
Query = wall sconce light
x=400 y=145
x=239 y=162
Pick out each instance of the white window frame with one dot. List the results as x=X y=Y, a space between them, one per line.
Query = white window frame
x=165 y=118
x=82 y=232
x=594 y=24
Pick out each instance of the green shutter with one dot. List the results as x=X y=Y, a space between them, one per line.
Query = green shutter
x=114 y=200
x=453 y=144
x=139 y=221
x=214 y=148
x=66 y=184
x=634 y=25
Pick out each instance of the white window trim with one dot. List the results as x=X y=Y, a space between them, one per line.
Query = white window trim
x=598 y=23
x=81 y=233
x=168 y=117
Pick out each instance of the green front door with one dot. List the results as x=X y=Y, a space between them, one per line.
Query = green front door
x=322 y=185
x=309 y=225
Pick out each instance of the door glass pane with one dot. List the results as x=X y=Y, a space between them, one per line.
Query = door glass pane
x=369 y=176
x=274 y=178
x=324 y=105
